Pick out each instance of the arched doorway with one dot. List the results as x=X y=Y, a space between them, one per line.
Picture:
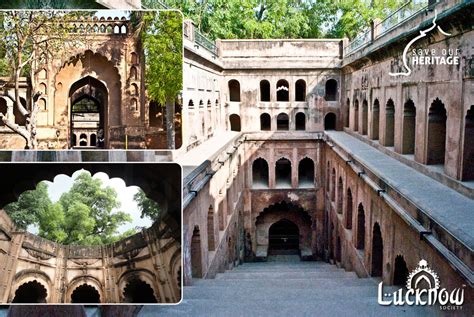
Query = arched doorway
x=283 y=173
x=330 y=121
x=389 y=123
x=283 y=122
x=138 y=291
x=265 y=122
x=437 y=117
x=283 y=238
x=468 y=154
x=85 y=294
x=259 y=173
x=88 y=97
x=365 y=116
x=360 y=241
x=377 y=251
x=400 y=274
x=300 y=121
x=234 y=90
x=31 y=292
x=196 y=254
x=375 y=119
x=409 y=128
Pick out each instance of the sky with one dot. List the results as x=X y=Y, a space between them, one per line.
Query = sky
x=63 y=183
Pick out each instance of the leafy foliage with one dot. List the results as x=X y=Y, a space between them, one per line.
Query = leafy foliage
x=261 y=19
x=55 y=4
x=83 y=215
x=149 y=208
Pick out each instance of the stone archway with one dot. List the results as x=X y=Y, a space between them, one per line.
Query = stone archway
x=88 y=88
x=30 y=292
x=283 y=238
x=86 y=294
x=88 y=99
x=138 y=291
x=283 y=228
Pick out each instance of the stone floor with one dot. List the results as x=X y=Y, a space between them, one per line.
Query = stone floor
x=284 y=287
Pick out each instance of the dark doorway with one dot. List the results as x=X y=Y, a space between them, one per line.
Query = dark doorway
x=468 y=154
x=389 y=123
x=196 y=254
x=330 y=121
x=300 y=121
x=283 y=173
x=360 y=228
x=234 y=90
x=3 y=109
x=265 y=122
x=85 y=294
x=260 y=173
x=300 y=90
x=331 y=90
x=234 y=122
x=306 y=173
x=400 y=274
x=349 y=210
x=437 y=117
x=409 y=128
x=283 y=238
x=283 y=90
x=365 y=116
x=138 y=291
x=375 y=119
x=264 y=91
x=338 y=249
x=356 y=115
x=283 y=122
x=377 y=251
x=31 y=292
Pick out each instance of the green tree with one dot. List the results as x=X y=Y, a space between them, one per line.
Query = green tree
x=281 y=18
x=162 y=40
x=30 y=205
x=148 y=208
x=84 y=215
x=29 y=39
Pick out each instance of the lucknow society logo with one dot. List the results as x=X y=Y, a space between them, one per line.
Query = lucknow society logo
x=423 y=288
x=426 y=56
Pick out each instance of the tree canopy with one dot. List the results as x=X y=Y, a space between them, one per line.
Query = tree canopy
x=261 y=19
x=84 y=215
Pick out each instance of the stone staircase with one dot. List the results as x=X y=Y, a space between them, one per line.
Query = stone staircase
x=284 y=286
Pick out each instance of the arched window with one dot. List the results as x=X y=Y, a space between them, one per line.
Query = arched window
x=375 y=119
x=468 y=152
x=349 y=209
x=134 y=58
x=234 y=90
x=360 y=243
x=283 y=173
x=138 y=291
x=42 y=104
x=30 y=292
x=300 y=90
x=283 y=123
x=42 y=88
x=330 y=121
x=389 y=122
x=377 y=251
x=409 y=128
x=331 y=90
x=365 y=116
x=133 y=104
x=93 y=139
x=356 y=115
x=116 y=29
x=283 y=90
x=123 y=29
x=234 y=120
x=259 y=173
x=265 y=122
x=133 y=89
x=264 y=90
x=85 y=294
x=133 y=73
x=437 y=117
x=306 y=173
x=300 y=121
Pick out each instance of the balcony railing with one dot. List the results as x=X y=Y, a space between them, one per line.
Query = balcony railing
x=204 y=42
x=394 y=19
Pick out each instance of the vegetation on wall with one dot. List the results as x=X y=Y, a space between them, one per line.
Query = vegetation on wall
x=54 y=4
x=261 y=19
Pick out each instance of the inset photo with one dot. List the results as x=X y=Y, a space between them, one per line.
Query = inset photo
x=90 y=233
x=90 y=79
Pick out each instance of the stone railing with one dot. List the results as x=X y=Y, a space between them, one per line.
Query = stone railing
x=380 y=28
x=112 y=26
x=191 y=33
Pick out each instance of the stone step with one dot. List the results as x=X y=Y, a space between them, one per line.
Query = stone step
x=298 y=293
x=284 y=275
x=336 y=307
x=294 y=282
x=288 y=269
